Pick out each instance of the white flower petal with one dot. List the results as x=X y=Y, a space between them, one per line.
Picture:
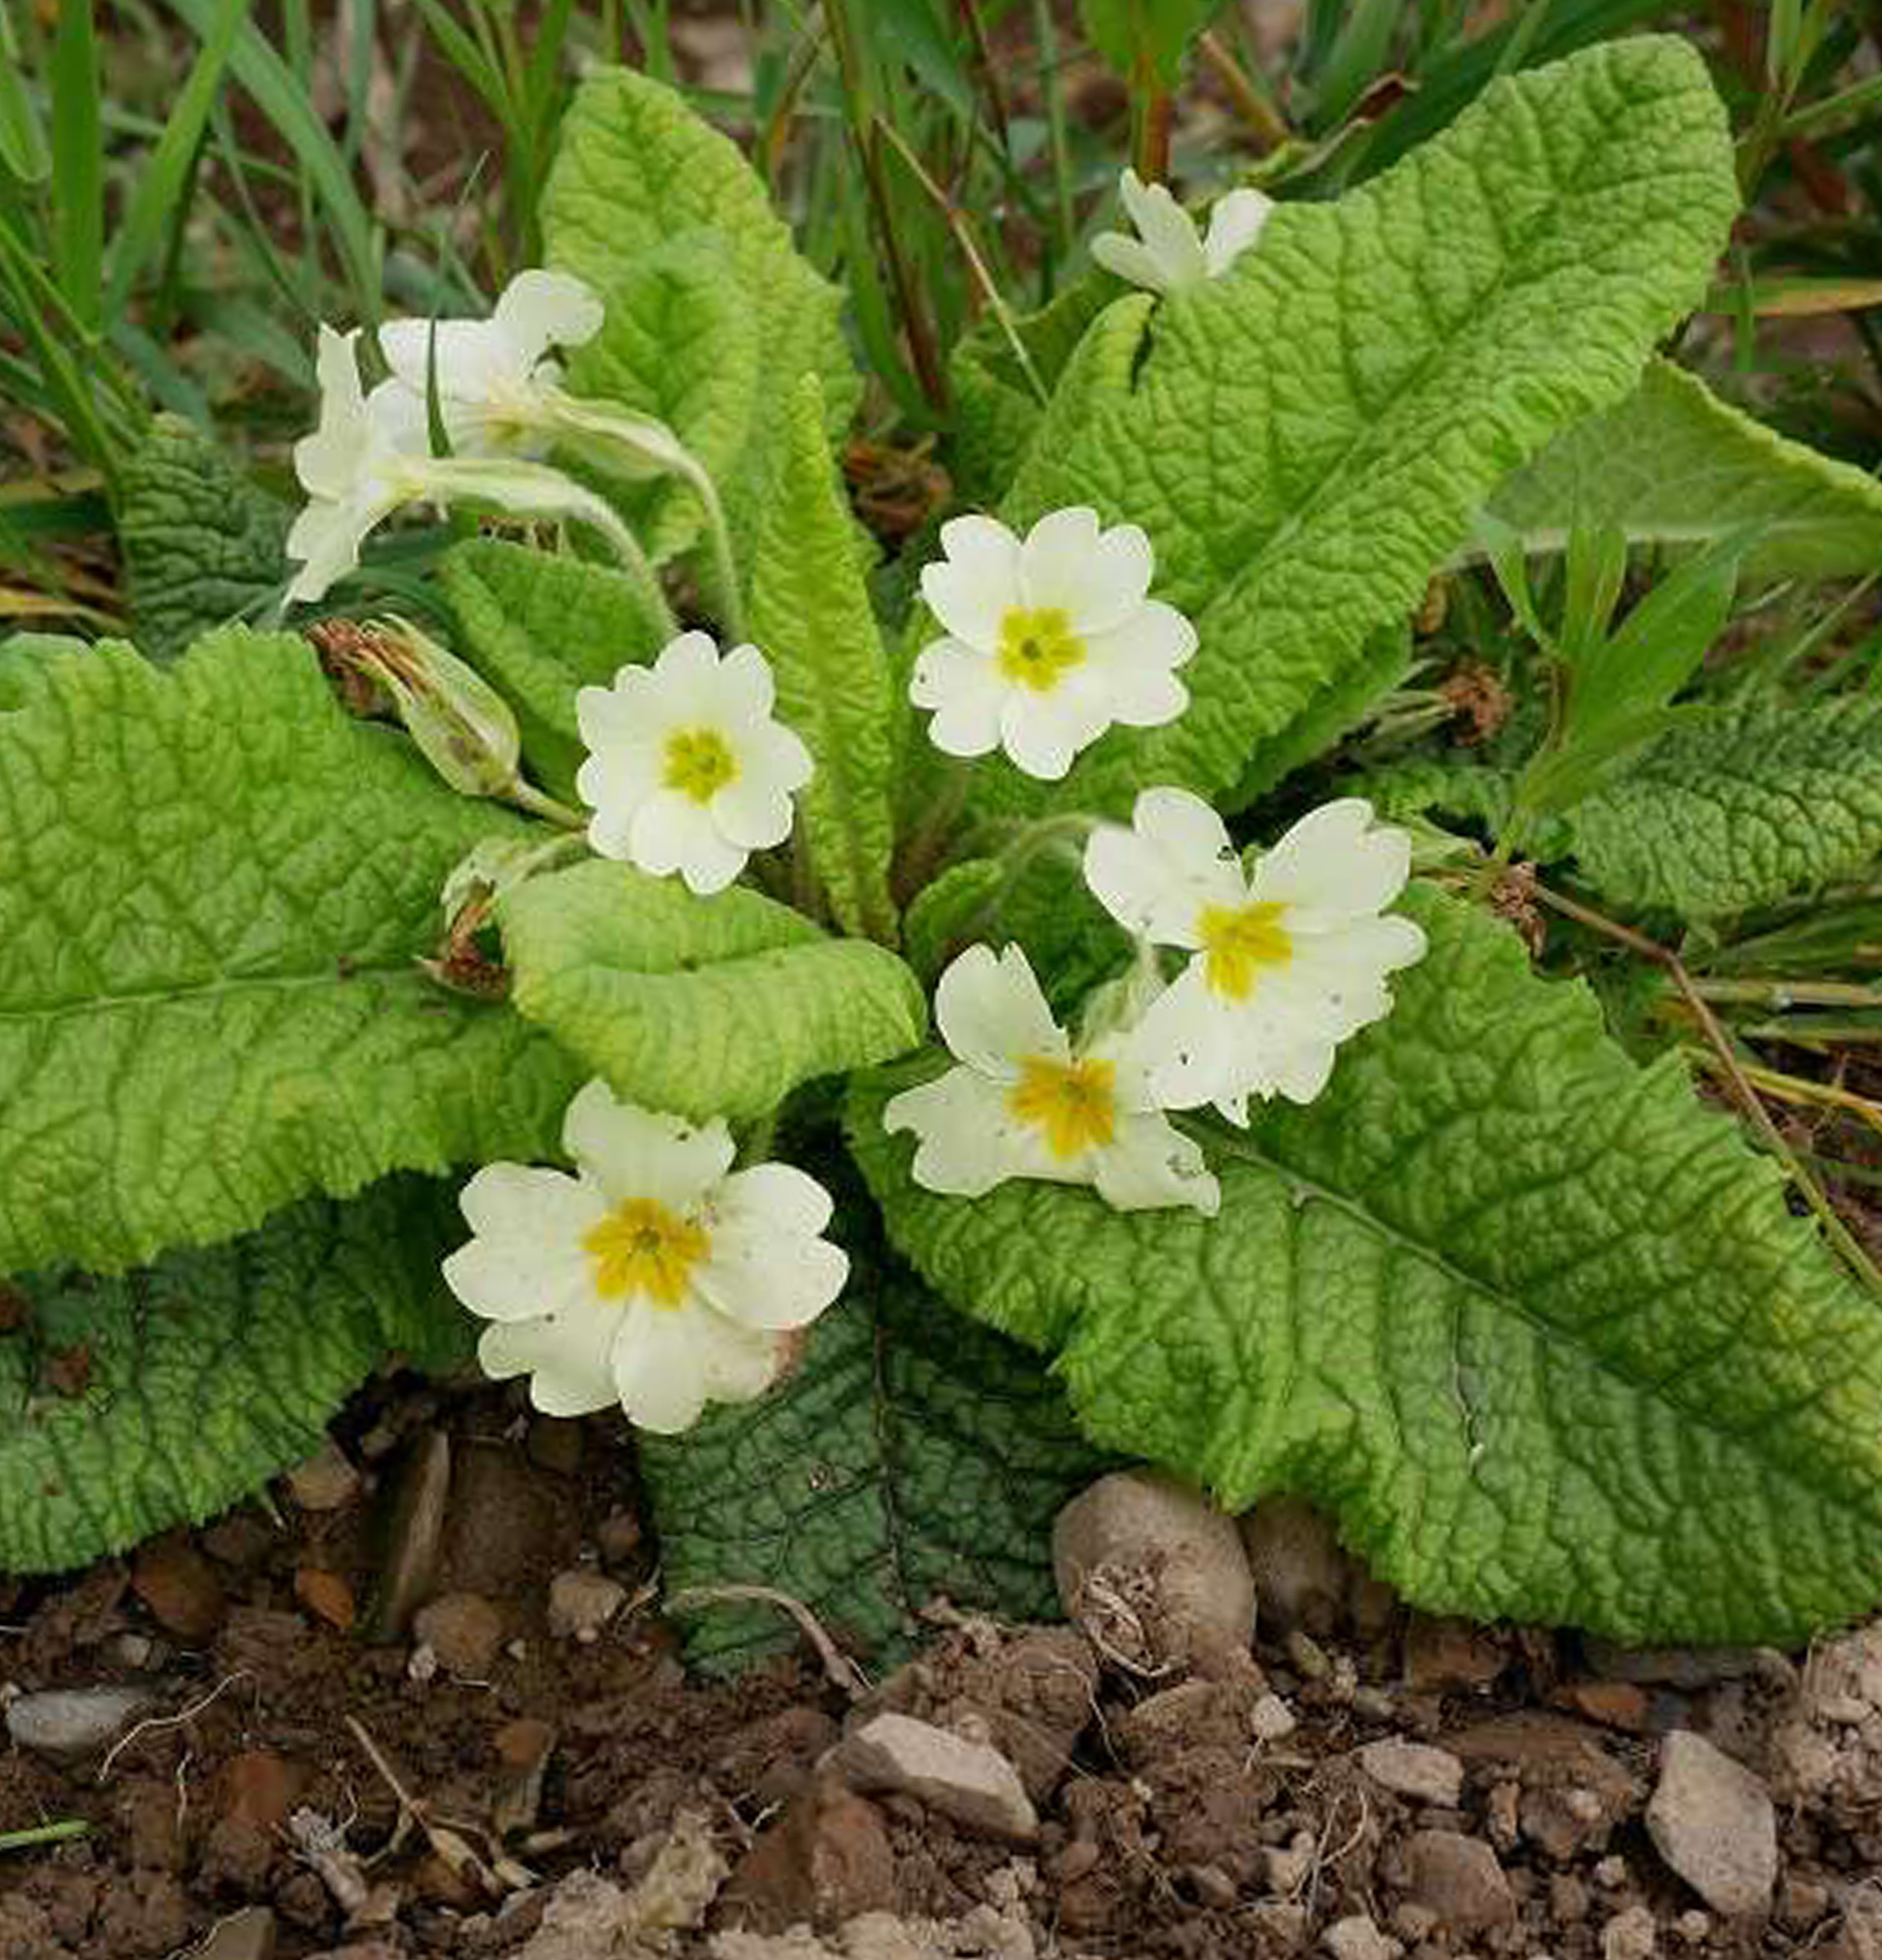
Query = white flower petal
x=687 y=669
x=968 y=1138
x=526 y=1257
x=971 y=590
x=634 y=1152
x=671 y=833
x=327 y=462
x=751 y=814
x=1335 y=864
x=1044 y=733
x=1156 y=877
x=746 y=690
x=966 y=690
x=1234 y=226
x=1153 y=638
x=539 y=310
x=1098 y=577
x=1149 y=1165
x=1130 y=259
x=567 y=1356
x=670 y=1362
x=768 y=1267
x=474 y=358
x=1166 y=228
x=991 y=1014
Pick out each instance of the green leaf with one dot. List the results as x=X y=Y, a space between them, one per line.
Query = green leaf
x=714 y=1006
x=681 y=343
x=1144 y=40
x=1739 y=809
x=212 y=887
x=811 y=614
x=1674 y=464
x=202 y=545
x=910 y=1455
x=23 y=135
x=1384 y=663
x=540 y=626
x=1309 y=437
x=136 y=1403
x=1532 y=1323
x=78 y=228
x=637 y=169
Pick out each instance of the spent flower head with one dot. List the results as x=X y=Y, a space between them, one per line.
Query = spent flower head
x=1168 y=252
x=656 y=1276
x=1049 y=641
x=1289 y=960
x=1023 y=1101
x=687 y=769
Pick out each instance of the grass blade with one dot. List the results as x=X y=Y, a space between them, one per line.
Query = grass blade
x=77 y=163
x=23 y=136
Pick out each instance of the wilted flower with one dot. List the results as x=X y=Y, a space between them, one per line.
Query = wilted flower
x=1049 y=641
x=687 y=771
x=1168 y=251
x=1025 y=1102
x=656 y=1276
x=1289 y=961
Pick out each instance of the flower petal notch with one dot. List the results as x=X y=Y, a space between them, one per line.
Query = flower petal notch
x=656 y=1276
x=1024 y=1102
x=1289 y=960
x=1047 y=641
x=1168 y=252
x=687 y=769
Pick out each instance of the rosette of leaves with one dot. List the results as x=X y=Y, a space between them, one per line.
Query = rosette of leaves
x=1537 y=1328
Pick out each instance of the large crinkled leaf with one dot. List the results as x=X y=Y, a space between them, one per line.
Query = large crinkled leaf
x=1674 y=464
x=910 y=1456
x=714 y=1006
x=1307 y=437
x=1738 y=811
x=681 y=344
x=1732 y=810
x=133 y=1403
x=637 y=169
x=202 y=545
x=1535 y=1325
x=811 y=612
x=540 y=626
x=214 y=885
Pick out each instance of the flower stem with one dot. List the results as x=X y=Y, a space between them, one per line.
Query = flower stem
x=525 y=796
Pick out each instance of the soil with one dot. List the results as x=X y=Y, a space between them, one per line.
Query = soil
x=1179 y=1814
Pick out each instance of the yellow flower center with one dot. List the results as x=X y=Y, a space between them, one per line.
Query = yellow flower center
x=699 y=765
x=641 y=1247
x=1038 y=648
x=1238 y=942
x=1071 y=1101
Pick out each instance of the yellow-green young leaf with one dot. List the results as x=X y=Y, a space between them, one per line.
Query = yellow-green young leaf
x=1674 y=464
x=540 y=626
x=1307 y=437
x=681 y=343
x=214 y=885
x=907 y=1456
x=636 y=168
x=812 y=615
x=1537 y=1327
x=168 y=1395
x=714 y=1006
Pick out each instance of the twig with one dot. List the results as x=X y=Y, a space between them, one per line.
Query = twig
x=189 y=1714
x=842 y=1671
x=1265 y=125
x=1729 y=1066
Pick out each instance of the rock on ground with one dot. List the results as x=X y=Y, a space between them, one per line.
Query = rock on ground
x=1153 y=1572
x=1415 y=1770
x=969 y=1782
x=1460 y=1879
x=1714 y=1823
x=66 y=1723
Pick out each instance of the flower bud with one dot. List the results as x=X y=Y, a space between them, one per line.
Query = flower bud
x=459 y=720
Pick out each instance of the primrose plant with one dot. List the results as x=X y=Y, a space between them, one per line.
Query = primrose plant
x=596 y=998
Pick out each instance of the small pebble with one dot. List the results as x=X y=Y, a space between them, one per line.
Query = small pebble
x=1629 y=1935
x=1358 y=1938
x=1272 y=1718
x=67 y=1723
x=326 y=1480
x=581 y=1603
x=1415 y=1770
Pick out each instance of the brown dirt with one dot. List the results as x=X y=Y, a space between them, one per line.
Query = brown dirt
x=1171 y=1824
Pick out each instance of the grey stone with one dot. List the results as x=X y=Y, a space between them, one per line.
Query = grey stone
x=1629 y=1935
x=1152 y=1571
x=1301 y=1577
x=1415 y=1770
x=1358 y=1938
x=1714 y=1823
x=1272 y=1718
x=67 y=1723
x=1459 y=1878
x=969 y=1782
